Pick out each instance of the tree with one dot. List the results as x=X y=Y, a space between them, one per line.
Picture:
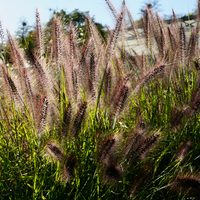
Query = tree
x=150 y=4
x=25 y=36
x=78 y=19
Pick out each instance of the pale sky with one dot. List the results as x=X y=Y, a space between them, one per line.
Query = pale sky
x=12 y=11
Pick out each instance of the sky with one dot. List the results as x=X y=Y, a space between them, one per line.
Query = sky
x=12 y=12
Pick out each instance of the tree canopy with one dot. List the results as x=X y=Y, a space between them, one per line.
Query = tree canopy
x=153 y=4
x=78 y=19
x=25 y=36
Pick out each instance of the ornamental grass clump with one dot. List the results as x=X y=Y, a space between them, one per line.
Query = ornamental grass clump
x=99 y=120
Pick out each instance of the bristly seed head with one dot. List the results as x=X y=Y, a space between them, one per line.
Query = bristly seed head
x=54 y=150
x=43 y=116
x=107 y=153
x=68 y=170
x=66 y=120
x=113 y=173
x=78 y=119
x=190 y=185
x=107 y=148
x=184 y=150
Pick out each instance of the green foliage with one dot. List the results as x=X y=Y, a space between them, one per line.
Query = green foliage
x=25 y=36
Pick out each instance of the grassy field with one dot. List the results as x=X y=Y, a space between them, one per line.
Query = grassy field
x=93 y=121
